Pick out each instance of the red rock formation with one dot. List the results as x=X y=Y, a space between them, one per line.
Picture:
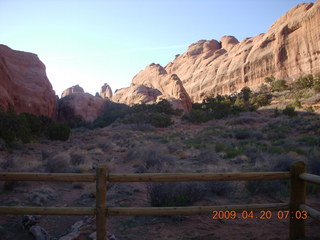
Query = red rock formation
x=80 y=104
x=153 y=84
x=289 y=49
x=24 y=86
x=106 y=91
x=73 y=89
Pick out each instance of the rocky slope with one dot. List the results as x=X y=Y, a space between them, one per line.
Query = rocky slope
x=288 y=50
x=24 y=86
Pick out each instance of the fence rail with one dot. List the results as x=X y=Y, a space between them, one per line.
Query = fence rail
x=297 y=175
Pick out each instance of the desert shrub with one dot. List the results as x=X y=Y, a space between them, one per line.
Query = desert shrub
x=153 y=158
x=163 y=106
x=290 y=111
x=41 y=196
x=222 y=106
x=160 y=120
x=228 y=151
x=296 y=103
x=59 y=163
x=309 y=140
x=166 y=194
x=196 y=142
x=155 y=119
x=242 y=133
x=309 y=109
x=207 y=156
x=112 y=112
x=269 y=188
x=221 y=188
x=316 y=87
x=279 y=85
x=269 y=80
x=260 y=100
x=313 y=167
x=58 y=131
x=304 y=82
x=136 y=118
x=314 y=161
x=14 y=127
x=76 y=159
x=282 y=163
x=34 y=123
x=197 y=116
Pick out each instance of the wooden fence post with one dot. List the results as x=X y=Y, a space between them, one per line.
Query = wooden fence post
x=297 y=197
x=101 y=198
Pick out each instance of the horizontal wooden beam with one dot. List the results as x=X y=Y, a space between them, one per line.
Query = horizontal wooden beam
x=311 y=211
x=194 y=210
x=310 y=178
x=47 y=177
x=58 y=211
x=180 y=177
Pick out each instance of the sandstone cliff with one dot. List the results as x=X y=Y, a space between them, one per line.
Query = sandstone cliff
x=24 y=86
x=288 y=50
x=153 y=84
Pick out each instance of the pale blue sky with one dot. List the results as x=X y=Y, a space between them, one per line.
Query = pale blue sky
x=90 y=42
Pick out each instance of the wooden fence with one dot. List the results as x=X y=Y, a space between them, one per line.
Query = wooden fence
x=297 y=176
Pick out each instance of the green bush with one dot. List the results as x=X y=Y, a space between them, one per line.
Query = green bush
x=112 y=112
x=197 y=116
x=160 y=120
x=309 y=109
x=34 y=123
x=58 y=131
x=155 y=119
x=279 y=85
x=304 y=82
x=14 y=127
x=260 y=100
x=164 y=107
x=269 y=79
x=222 y=106
x=316 y=87
x=290 y=111
x=296 y=103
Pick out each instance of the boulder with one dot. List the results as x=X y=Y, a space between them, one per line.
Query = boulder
x=24 y=86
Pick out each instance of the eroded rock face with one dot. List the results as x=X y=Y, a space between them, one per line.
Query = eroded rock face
x=152 y=85
x=73 y=89
x=24 y=86
x=288 y=50
x=85 y=105
x=106 y=91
